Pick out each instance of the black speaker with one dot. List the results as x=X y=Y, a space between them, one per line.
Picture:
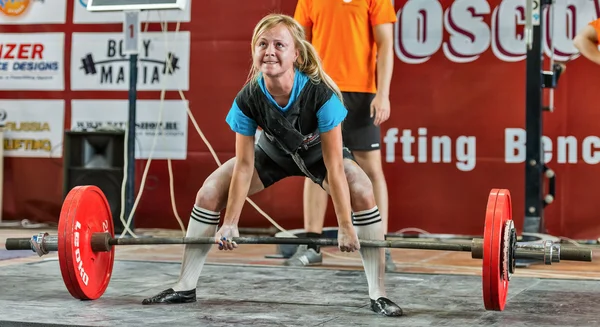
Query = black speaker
x=96 y=158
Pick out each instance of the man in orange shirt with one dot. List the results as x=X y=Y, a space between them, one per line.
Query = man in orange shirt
x=354 y=39
x=586 y=41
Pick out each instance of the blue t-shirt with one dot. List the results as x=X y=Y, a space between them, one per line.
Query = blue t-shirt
x=329 y=115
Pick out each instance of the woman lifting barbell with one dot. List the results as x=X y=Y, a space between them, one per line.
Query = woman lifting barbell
x=300 y=110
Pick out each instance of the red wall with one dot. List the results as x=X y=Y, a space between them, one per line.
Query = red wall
x=480 y=98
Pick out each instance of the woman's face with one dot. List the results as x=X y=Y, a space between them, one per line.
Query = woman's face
x=275 y=52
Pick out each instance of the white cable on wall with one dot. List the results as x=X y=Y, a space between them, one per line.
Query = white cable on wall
x=157 y=130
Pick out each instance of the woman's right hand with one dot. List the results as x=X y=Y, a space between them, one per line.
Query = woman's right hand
x=224 y=237
x=347 y=239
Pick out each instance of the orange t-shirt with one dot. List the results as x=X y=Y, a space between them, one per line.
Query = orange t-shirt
x=342 y=34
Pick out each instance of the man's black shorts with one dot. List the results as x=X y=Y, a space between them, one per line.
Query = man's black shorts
x=358 y=131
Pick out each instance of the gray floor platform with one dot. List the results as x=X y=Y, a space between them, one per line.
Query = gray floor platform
x=231 y=295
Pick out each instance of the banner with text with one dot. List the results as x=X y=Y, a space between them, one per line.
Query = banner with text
x=32 y=128
x=98 y=62
x=32 y=12
x=171 y=140
x=32 y=61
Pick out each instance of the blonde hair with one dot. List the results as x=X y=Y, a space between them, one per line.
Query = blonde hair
x=308 y=60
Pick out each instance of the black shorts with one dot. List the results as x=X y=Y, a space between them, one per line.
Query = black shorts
x=271 y=169
x=358 y=131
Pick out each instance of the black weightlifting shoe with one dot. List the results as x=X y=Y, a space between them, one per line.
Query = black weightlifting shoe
x=169 y=296
x=386 y=307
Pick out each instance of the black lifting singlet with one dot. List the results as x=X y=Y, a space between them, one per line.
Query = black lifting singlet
x=293 y=131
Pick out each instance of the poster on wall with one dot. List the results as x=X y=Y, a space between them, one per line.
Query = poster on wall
x=98 y=62
x=82 y=16
x=171 y=142
x=32 y=12
x=32 y=128
x=32 y=61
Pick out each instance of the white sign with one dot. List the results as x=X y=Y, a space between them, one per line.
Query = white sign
x=171 y=142
x=131 y=32
x=98 y=62
x=535 y=13
x=82 y=16
x=32 y=12
x=32 y=61
x=33 y=128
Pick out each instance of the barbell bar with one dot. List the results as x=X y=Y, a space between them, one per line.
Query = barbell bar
x=545 y=251
x=86 y=245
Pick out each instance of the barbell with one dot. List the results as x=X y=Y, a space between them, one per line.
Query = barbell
x=86 y=245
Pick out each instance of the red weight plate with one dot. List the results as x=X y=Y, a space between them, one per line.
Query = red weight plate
x=85 y=211
x=63 y=223
x=487 y=235
x=495 y=284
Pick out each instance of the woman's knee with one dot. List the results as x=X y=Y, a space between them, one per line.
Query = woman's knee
x=213 y=193
x=209 y=197
x=361 y=188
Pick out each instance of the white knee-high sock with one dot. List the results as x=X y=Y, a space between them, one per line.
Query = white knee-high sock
x=203 y=223
x=369 y=227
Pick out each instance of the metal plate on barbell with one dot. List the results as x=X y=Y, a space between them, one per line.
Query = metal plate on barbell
x=507 y=255
x=494 y=282
x=85 y=211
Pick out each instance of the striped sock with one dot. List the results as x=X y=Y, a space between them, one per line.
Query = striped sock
x=369 y=227
x=203 y=223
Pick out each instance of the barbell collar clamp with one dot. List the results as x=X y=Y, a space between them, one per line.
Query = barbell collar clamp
x=38 y=244
x=43 y=243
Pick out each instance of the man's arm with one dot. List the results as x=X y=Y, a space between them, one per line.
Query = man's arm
x=586 y=41
x=384 y=38
x=308 y=33
x=302 y=16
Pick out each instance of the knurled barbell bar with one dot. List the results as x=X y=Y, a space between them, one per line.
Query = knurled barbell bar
x=545 y=251
x=85 y=245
